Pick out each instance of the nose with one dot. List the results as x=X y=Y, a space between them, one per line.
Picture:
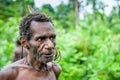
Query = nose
x=49 y=44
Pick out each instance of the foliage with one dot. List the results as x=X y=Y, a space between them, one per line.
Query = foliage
x=8 y=35
x=64 y=14
x=91 y=52
x=16 y=7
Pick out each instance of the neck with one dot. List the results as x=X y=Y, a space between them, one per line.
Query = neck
x=36 y=65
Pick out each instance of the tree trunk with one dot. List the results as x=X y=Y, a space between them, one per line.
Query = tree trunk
x=23 y=7
x=76 y=6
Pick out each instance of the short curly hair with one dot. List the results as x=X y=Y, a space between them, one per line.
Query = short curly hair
x=25 y=23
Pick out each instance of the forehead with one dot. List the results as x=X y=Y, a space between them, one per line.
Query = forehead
x=42 y=28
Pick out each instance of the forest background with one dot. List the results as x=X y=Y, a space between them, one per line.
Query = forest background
x=90 y=47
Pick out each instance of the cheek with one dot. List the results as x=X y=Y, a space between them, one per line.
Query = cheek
x=34 y=44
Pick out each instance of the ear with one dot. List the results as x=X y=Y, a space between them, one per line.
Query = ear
x=24 y=42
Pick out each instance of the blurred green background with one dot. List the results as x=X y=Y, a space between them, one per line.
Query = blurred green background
x=90 y=47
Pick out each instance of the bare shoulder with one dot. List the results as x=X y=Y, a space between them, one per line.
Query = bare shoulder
x=56 y=68
x=11 y=71
x=8 y=73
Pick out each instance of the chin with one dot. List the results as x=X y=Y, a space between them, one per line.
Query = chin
x=48 y=60
x=45 y=58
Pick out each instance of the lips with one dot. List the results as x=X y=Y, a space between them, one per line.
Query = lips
x=48 y=55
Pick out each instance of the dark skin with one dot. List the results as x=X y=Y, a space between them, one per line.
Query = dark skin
x=38 y=65
x=19 y=53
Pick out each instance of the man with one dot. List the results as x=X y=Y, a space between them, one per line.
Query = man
x=38 y=37
x=19 y=52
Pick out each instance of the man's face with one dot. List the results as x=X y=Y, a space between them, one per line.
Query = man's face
x=42 y=42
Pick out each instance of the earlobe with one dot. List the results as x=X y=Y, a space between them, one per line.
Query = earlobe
x=24 y=43
x=22 y=40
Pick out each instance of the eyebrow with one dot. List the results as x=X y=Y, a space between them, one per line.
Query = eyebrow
x=44 y=36
x=54 y=35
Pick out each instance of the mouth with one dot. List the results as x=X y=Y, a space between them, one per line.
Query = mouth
x=48 y=55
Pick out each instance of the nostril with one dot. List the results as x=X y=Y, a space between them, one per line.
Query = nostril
x=49 y=46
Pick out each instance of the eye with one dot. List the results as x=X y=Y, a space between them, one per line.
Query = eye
x=52 y=37
x=40 y=38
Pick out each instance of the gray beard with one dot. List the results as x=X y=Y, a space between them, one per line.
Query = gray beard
x=36 y=55
x=39 y=56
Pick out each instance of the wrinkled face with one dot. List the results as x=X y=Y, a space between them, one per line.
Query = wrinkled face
x=42 y=42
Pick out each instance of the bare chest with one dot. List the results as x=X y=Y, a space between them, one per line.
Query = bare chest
x=35 y=75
